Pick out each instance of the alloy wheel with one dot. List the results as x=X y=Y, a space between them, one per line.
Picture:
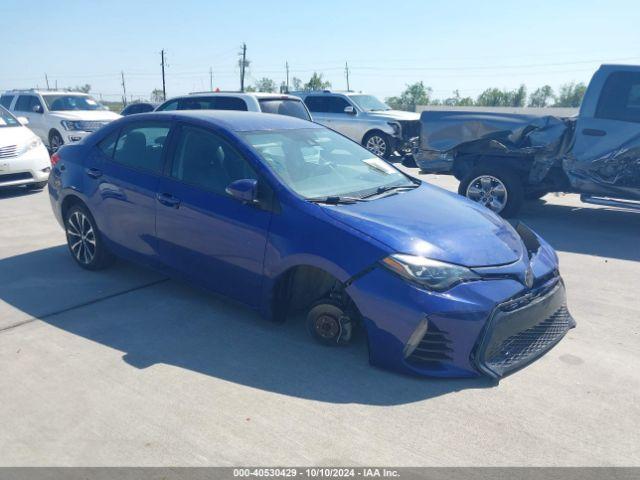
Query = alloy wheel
x=376 y=145
x=81 y=237
x=489 y=191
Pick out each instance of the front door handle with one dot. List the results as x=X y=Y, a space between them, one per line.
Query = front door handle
x=168 y=200
x=94 y=172
x=594 y=132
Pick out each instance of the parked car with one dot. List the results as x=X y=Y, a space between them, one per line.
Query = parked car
x=364 y=119
x=58 y=117
x=138 y=107
x=249 y=102
x=23 y=158
x=285 y=215
x=502 y=160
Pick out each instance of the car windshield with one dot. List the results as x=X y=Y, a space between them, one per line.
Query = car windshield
x=369 y=103
x=319 y=163
x=7 y=120
x=284 y=106
x=71 y=102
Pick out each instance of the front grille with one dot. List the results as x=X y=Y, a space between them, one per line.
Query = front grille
x=91 y=126
x=12 y=177
x=519 y=347
x=523 y=329
x=434 y=348
x=410 y=128
x=8 y=151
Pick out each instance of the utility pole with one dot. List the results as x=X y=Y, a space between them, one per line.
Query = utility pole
x=47 y=80
x=243 y=64
x=287 y=67
x=346 y=72
x=164 y=87
x=211 y=79
x=124 y=90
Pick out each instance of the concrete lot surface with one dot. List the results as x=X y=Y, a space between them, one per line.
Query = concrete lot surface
x=123 y=368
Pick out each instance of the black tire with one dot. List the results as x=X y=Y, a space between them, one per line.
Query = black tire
x=84 y=239
x=378 y=143
x=328 y=324
x=36 y=186
x=55 y=141
x=505 y=178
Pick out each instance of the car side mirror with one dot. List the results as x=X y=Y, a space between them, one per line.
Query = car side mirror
x=37 y=108
x=350 y=110
x=245 y=190
x=23 y=120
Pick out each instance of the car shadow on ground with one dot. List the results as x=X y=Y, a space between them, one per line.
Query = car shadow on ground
x=11 y=192
x=586 y=230
x=171 y=323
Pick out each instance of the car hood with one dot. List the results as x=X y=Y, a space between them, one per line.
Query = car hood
x=85 y=115
x=15 y=136
x=396 y=115
x=431 y=222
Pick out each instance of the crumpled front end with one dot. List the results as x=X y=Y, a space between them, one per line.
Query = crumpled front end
x=489 y=327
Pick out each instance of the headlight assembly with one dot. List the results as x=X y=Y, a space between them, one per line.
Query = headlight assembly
x=433 y=274
x=35 y=142
x=70 y=125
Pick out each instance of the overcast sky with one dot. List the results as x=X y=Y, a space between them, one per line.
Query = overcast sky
x=465 y=45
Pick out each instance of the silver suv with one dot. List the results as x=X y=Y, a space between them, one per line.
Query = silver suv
x=365 y=119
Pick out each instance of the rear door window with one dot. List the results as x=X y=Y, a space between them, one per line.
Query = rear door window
x=620 y=97
x=6 y=100
x=284 y=106
x=317 y=103
x=141 y=146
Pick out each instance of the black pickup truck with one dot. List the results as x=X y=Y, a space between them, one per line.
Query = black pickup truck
x=502 y=160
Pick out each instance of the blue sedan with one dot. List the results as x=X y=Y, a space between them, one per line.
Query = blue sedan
x=287 y=216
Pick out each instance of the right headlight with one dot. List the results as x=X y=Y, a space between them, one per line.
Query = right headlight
x=433 y=274
x=71 y=125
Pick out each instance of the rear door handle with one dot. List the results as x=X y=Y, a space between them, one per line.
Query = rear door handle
x=94 y=172
x=168 y=200
x=594 y=132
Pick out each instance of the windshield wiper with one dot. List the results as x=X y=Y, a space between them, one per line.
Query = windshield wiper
x=387 y=189
x=336 y=199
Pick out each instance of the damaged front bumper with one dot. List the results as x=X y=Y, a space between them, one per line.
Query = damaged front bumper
x=488 y=328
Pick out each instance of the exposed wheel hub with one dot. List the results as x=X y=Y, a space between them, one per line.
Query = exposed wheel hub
x=327 y=326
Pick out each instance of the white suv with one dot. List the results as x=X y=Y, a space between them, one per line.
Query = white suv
x=58 y=117
x=278 y=103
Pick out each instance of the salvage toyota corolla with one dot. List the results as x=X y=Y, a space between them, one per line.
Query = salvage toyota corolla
x=287 y=216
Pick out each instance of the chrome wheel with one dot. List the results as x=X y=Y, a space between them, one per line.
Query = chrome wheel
x=376 y=145
x=81 y=237
x=489 y=191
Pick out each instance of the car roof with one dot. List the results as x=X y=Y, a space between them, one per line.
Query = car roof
x=42 y=92
x=239 y=95
x=236 y=120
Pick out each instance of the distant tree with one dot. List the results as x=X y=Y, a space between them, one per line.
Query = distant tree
x=266 y=85
x=414 y=95
x=570 y=95
x=458 y=101
x=316 y=83
x=157 y=96
x=495 y=97
x=541 y=97
x=296 y=83
x=86 y=88
x=250 y=88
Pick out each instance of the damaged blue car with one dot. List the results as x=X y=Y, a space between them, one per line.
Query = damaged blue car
x=287 y=216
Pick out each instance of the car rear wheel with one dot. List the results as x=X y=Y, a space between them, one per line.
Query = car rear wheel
x=378 y=143
x=84 y=239
x=55 y=141
x=498 y=189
